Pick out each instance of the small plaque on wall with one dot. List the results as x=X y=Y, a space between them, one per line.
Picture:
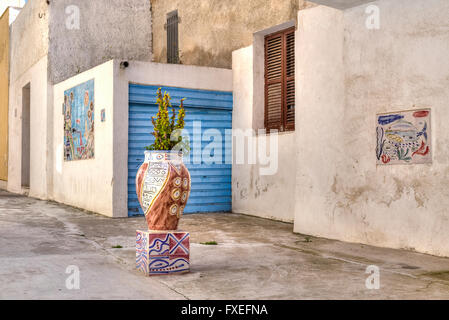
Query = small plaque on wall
x=404 y=137
x=103 y=115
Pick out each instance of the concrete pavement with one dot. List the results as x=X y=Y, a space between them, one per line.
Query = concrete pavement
x=254 y=259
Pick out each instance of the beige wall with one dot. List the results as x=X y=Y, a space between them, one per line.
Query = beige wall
x=346 y=75
x=4 y=87
x=210 y=30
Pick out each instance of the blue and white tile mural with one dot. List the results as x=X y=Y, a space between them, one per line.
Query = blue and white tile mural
x=79 y=122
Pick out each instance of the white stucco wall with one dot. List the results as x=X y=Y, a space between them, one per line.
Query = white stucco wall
x=36 y=76
x=267 y=196
x=348 y=74
x=149 y=73
x=86 y=184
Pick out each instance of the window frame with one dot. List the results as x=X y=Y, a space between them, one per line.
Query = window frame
x=284 y=125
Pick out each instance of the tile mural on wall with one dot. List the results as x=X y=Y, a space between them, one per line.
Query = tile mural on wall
x=79 y=122
x=404 y=137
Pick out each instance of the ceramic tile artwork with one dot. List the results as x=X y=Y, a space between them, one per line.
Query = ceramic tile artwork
x=162 y=252
x=79 y=122
x=404 y=137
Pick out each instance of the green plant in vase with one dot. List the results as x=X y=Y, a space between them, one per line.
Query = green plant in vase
x=168 y=128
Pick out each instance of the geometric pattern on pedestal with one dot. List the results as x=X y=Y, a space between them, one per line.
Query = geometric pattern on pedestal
x=162 y=252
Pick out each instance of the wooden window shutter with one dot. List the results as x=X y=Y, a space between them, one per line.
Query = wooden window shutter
x=290 y=80
x=172 y=37
x=273 y=82
x=280 y=80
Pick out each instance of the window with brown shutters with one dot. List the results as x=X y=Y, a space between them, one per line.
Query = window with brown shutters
x=280 y=80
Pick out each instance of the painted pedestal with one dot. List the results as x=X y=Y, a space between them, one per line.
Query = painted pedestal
x=162 y=252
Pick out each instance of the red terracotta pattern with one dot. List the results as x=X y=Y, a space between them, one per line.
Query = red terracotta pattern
x=163 y=188
x=139 y=178
x=421 y=114
x=160 y=216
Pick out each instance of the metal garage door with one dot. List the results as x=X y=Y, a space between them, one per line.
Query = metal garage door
x=211 y=183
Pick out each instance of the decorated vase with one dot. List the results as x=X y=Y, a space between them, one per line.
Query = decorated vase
x=163 y=188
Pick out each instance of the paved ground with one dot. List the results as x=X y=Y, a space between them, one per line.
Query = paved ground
x=254 y=259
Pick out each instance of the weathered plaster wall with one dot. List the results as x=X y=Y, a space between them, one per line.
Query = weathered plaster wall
x=174 y=75
x=36 y=77
x=210 y=30
x=4 y=87
x=88 y=183
x=29 y=37
x=347 y=74
x=267 y=196
x=109 y=29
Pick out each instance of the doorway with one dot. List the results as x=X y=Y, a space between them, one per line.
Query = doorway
x=26 y=136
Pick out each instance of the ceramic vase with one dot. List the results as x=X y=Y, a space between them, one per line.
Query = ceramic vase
x=163 y=188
